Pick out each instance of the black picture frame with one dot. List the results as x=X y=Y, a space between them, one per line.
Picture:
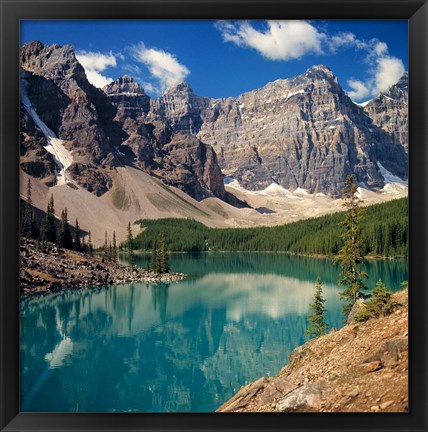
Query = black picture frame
x=12 y=11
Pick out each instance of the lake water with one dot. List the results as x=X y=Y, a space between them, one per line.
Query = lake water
x=185 y=346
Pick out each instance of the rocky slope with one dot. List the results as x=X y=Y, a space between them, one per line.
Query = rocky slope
x=58 y=269
x=389 y=111
x=360 y=368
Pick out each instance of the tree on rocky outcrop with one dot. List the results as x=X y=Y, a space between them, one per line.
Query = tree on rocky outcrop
x=130 y=244
x=84 y=246
x=48 y=228
x=114 y=248
x=380 y=304
x=77 y=243
x=105 y=247
x=160 y=262
x=64 y=235
x=90 y=245
x=317 y=324
x=350 y=256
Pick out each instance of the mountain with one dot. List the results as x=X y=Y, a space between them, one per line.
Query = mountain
x=87 y=133
x=389 y=111
x=270 y=156
x=303 y=132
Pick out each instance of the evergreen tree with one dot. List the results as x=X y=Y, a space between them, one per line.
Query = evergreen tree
x=159 y=262
x=110 y=252
x=28 y=216
x=105 y=247
x=77 y=244
x=64 y=235
x=114 y=250
x=130 y=243
x=84 y=245
x=154 y=264
x=351 y=256
x=317 y=324
x=48 y=229
x=162 y=254
x=380 y=304
x=90 y=245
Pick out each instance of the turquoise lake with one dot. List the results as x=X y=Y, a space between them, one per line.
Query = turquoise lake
x=179 y=347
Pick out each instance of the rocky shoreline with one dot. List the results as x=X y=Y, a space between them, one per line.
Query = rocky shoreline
x=59 y=269
x=362 y=367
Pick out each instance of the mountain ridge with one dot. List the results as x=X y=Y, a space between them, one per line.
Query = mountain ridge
x=302 y=134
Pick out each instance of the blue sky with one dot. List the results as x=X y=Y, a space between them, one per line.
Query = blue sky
x=227 y=58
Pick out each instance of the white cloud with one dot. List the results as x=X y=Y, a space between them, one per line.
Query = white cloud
x=163 y=66
x=381 y=48
x=281 y=40
x=286 y=40
x=359 y=90
x=388 y=71
x=94 y=63
x=384 y=70
x=340 y=40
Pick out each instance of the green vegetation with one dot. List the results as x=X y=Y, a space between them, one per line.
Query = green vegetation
x=379 y=304
x=351 y=256
x=317 y=324
x=131 y=246
x=28 y=216
x=77 y=242
x=383 y=233
x=64 y=235
x=160 y=262
x=48 y=228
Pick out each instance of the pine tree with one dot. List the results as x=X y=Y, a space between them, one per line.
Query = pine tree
x=351 y=256
x=154 y=264
x=105 y=247
x=159 y=263
x=162 y=254
x=77 y=244
x=317 y=324
x=28 y=216
x=90 y=245
x=84 y=245
x=114 y=250
x=64 y=235
x=48 y=229
x=130 y=242
x=110 y=252
x=380 y=304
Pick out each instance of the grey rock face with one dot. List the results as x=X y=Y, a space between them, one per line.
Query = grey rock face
x=181 y=108
x=128 y=97
x=107 y=128
x=300 y=132
x=35 y=160
x=389 y=111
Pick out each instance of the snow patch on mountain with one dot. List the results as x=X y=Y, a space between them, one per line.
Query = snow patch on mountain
x=55 y=146
x=363 y=104
x=388 y=176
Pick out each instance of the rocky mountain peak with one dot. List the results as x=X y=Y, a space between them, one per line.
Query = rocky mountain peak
x=124 y=85
x=389 y=111
x=180 y=88
x=400 y=89
x=53 y=62
x=320 y=72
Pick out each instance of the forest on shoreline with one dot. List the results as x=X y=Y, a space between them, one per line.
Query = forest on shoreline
x=384 y=233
